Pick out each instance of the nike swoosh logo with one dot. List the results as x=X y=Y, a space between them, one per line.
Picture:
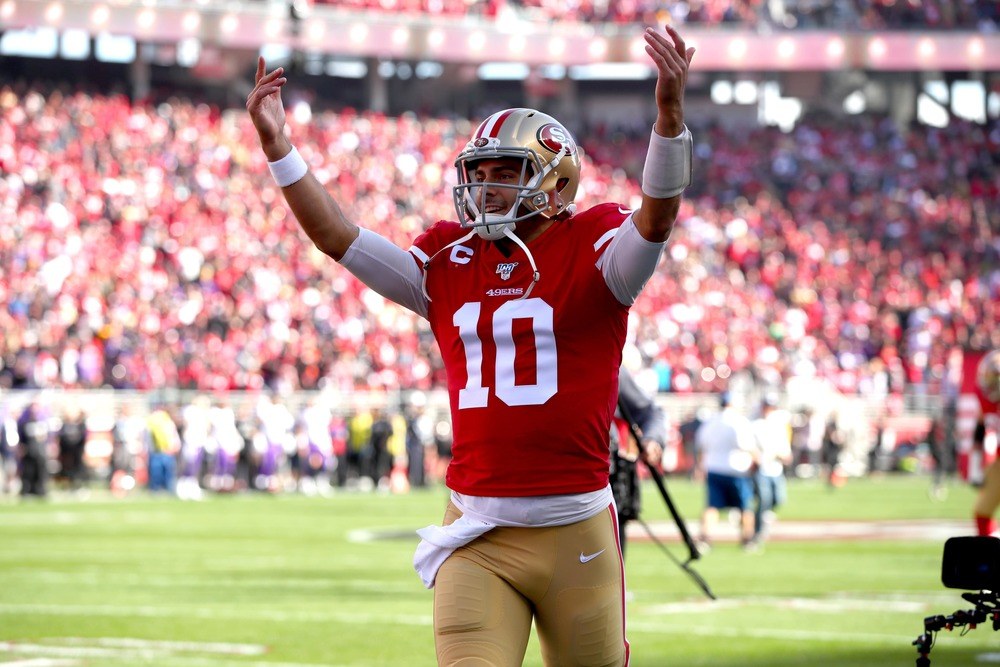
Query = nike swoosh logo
x=585 y=558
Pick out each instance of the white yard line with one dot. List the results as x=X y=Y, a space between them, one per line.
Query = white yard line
x=148 y=611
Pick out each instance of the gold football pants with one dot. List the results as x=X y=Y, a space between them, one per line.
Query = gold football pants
x=569 y=579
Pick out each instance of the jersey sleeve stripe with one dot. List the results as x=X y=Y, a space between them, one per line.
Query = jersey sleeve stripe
x=607 y=236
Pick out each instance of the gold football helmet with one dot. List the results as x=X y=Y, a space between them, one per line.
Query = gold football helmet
x=988 y=376
x=550 y=165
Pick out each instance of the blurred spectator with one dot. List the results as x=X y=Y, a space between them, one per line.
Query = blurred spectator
x=34 y=439
x=419 y=438
x=72 y=439
x=942 y=445
x=359 y=433
x=638 y=410
x=248 y=461
x=376 y=458
x=318 y=459
x=197 y=446
x=228 y=443
x=8 y=444
x=133 y=259
x=163 y=446
x=129 y=451
x=832 y=449
x=279 y=451
x=726 y=450
x=749 y=14
x=773 y=431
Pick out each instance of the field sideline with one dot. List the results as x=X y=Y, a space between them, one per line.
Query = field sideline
x=290 y=581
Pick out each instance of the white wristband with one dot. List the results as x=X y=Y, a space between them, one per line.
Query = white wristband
x=289 y=169
x=668 y=165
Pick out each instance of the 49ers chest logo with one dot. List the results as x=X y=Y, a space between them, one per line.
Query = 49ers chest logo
x=504 y=269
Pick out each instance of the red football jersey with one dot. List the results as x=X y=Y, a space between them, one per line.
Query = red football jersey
x=533 y=382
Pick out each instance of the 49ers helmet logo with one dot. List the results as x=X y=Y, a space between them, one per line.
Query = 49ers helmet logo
x=554 y=137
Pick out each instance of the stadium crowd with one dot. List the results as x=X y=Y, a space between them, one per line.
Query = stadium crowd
x=146 y=247
x=751 y=14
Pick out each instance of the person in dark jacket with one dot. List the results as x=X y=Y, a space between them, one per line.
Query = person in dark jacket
x=33 y=443
x=640 y=408
x=72 y=443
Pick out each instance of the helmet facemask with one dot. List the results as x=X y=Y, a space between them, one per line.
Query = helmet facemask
x=472 y=200
x=548 y=172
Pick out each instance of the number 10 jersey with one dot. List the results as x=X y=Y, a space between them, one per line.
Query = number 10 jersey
x=532 y=380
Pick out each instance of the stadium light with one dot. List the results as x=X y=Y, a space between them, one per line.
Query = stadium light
x=146 y=19
x=477 y=41
x=877 y=48
x=926 y=48
x=557 y=47
x=54 y=13
x=316 y=30
x=516 y=45
x=229 y=24
x=99 y=16
x=975 y=49
x=400 y=36
x=721 y=92
x=358 y=33
x=74 y=44
x=435 y=38
x=638 y=49
x=347 y=69
x=786 y=48
x=8 y=9
x=188 y=52
x=427 y=69
x=610 y=72
x=191 y=22
x=598 y=48
x=502 y=71
x=272 y=28
x=855 y=103
x=835 y=49
x=745 y=92
x=737 y=49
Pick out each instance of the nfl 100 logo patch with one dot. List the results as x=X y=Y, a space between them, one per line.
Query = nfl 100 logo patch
x=504 y=269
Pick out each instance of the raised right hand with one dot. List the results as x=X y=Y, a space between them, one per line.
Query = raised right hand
x=264 y=104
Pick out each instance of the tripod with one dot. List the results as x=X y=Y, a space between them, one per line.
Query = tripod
x=987 y=607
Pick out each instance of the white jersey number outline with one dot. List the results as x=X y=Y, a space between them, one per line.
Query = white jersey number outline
x=475 y=395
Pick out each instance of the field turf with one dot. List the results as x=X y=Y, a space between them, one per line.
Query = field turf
x=291 y=581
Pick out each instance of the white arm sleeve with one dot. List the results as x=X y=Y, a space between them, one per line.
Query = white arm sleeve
x=387 y=269
x=628 y=262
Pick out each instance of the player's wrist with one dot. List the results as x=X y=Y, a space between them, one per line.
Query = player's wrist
x=288 y=169
x=276 y=148
x=669 y=126
x=667 y=170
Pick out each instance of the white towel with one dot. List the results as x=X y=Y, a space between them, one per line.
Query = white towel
x=438 y=542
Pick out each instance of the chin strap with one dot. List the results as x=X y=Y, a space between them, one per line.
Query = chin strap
x=423 y=280
x=509 y=234
x=531 y=260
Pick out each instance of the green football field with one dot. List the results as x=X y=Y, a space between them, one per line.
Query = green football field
x=291 y=581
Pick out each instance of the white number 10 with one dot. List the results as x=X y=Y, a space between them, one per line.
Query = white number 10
x=475 y=395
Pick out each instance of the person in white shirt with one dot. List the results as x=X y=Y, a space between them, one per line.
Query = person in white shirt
x=773 y=433
x=726 y=451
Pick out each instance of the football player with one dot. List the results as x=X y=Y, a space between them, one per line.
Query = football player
x=528 y=299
